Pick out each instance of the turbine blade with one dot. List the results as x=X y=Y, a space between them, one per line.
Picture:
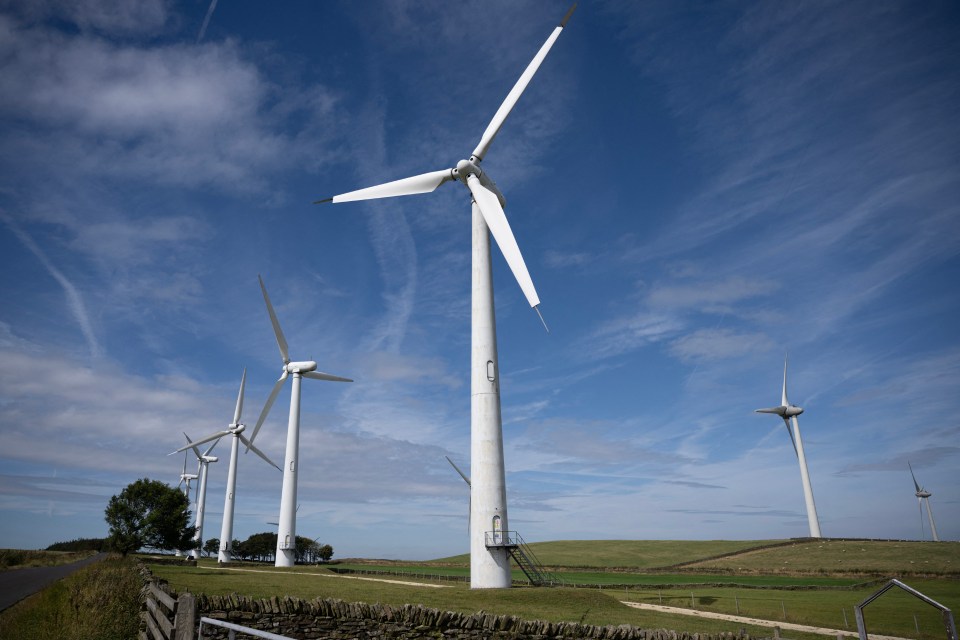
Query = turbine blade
x=239 y=409
x=281 y=341
x=266 y=407
x=462 y=474
x=783 y=399
x=252 y=447
x=213 y=436
x=915 y=483
x=215 y=443
x=786 y=421
x=507 y=106
x=196 y=451
x=496 y=221
x=319 y=375
x=776 y=410
x=423 y=183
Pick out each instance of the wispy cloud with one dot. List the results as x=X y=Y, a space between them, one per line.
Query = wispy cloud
x=74 y=299
x=206 y=20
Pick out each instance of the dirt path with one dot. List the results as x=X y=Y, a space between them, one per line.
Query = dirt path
x=331 y=575
x=755 y=621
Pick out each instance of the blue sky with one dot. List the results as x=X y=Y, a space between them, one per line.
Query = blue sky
x=696 y=190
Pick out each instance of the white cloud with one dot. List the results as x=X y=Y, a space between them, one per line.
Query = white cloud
x=179 y=114
x=714 y=344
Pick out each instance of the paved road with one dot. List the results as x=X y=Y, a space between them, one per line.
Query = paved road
x=17 y=584
x=755 y=621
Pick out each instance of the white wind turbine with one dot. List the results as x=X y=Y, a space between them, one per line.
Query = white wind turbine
x=234 y=429
x=489 y=559
x=287 y=531
x=185 y=480
x=203 y=463
x=924 y=496
x=789 y=413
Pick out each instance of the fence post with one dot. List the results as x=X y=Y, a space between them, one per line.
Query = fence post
x=186 y=618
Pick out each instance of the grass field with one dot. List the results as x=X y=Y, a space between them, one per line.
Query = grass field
x=19 y=558
x=766 y=578
x=632 y=554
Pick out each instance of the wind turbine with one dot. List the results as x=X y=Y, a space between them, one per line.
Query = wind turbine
x=185 y=480
x=789 y=414
x=924 y=496
x=287 y=531
x=489 y=559
x=203 y=462
x=469 y=488
x=234 y=429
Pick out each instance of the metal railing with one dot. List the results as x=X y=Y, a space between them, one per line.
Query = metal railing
x=234 y=629
x=500 y=538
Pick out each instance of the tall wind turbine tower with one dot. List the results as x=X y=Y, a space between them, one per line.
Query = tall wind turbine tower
x=287 y=532
x=924 y=496
x=235 y=430
x=789 y=414
x=489 y=538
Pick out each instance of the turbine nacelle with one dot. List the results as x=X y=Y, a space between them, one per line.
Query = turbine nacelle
x=923 y=494
x=300 y=367
x=471 y=167
x=209 y=459
x=236 y=427
x=784 y=411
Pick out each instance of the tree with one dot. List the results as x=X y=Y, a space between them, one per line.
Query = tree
x=149 y=513
x=325 y=553
x=211 y=546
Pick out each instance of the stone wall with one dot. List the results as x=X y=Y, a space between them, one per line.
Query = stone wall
x=341 y=620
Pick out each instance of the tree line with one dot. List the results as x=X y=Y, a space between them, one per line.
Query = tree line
x=151 y=513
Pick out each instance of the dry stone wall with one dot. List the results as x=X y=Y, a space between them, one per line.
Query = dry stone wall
x=341 y=620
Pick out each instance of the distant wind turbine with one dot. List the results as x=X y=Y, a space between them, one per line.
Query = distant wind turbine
x=924 y=496
x=203 y=461
x=489 y=559
x=234 y=429
x=789 y=414
x=185 y=480
x=287 y=532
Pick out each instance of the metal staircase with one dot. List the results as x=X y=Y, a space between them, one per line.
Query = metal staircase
x=523 y=556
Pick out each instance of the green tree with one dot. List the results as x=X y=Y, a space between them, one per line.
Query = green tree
x=325 y=552
x=260 y=546
x=211 y=546
x=149 y=513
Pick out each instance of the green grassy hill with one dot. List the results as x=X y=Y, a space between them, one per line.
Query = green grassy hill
x=770 y=557
x=628 y=554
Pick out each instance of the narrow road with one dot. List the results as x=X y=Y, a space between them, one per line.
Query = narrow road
x=755 y=621
x=17 y=584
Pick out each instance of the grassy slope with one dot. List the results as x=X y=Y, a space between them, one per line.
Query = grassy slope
x=874 y=556
x=21 y=559
x=627 y=554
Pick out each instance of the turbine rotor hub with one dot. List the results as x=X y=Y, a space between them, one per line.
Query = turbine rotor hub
x=466 y=168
